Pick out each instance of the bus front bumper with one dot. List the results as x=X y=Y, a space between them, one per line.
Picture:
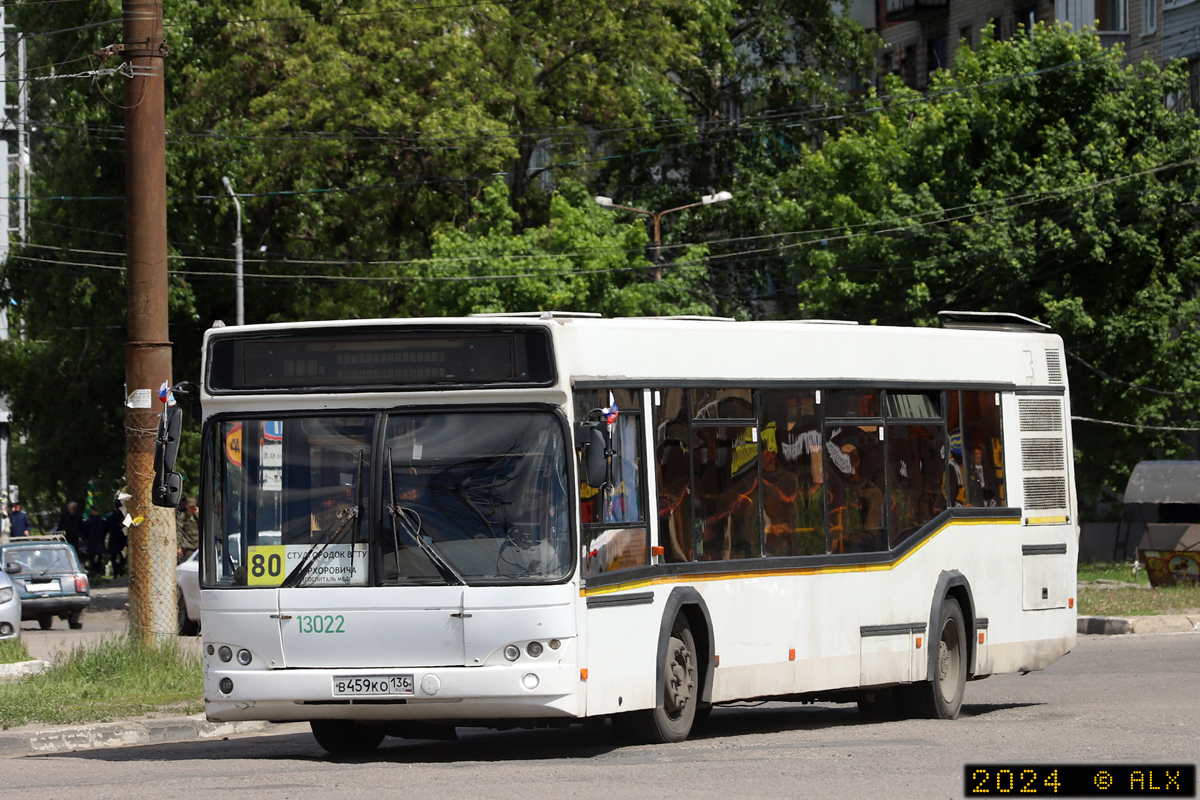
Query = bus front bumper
x=528 y=690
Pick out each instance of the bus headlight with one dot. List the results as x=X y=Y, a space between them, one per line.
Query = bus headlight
x=534 y=649
x=225 y=654
x=512 y=652
x=244 y=657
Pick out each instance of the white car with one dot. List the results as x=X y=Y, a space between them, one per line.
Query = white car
x=187 y=591
x=10 y=608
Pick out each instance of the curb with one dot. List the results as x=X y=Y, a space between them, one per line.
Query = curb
x=21 y=668
x=1110 y=626
x=121 y=734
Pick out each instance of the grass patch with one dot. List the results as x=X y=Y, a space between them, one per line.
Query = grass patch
x=1132 y=601
x=103 y=680
x=1138 y=602
x=12 y=651
x=1112 y=571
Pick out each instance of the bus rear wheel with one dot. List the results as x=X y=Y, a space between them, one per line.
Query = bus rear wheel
x=671 y=721
x=342 y=737
x=941 y=696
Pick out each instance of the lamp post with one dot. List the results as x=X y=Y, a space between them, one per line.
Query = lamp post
x=237 y=246
x=706 y=200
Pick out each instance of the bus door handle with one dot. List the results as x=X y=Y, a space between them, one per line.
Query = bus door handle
x=460 y=614
x=281 y=616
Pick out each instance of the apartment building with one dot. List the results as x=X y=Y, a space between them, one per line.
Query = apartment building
x=922 y=36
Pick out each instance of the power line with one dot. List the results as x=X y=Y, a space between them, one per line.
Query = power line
x=1134 y=425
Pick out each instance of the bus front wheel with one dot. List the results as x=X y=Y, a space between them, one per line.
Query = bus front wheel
x=671 y=721
x=342 y=737
x=941 y=696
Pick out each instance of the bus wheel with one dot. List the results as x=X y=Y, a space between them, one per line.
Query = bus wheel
x=941 y=696
x=672 y=721
x=342 y=737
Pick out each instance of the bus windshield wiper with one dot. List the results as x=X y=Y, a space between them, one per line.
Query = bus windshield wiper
x=410 y=520
x=345 y=516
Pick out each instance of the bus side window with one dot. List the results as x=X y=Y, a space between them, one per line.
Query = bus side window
x=725 y=464
x=792 y=473
x=615 y=535
x=916 y=470
x=984 y=449
x=854 y=481
x=670 y=421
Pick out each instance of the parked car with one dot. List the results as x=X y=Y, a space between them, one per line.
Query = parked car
x=10 y=608
x=49 y=580
x=187 y=591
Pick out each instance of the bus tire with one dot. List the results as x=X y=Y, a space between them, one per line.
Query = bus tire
x=672 y=721
x=341 y=737
x=941 y=696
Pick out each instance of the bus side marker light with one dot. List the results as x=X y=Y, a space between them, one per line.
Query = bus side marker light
x=583 y=674
x=716 y=661
x=555 y=644
x=792 y=654
x=981 y=637
x=918 y=642
x=658 y=550
x=1070 y=602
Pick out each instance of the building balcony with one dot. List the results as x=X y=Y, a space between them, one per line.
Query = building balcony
x=1110 y=38
x=905 y=10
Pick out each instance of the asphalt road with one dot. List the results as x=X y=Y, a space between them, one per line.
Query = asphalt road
x=1115 y=699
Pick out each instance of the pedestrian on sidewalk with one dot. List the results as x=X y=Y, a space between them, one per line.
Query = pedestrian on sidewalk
x=187 y=530
x=115 y=525
x=19 y=521
x=70 y=525
x=94 y=527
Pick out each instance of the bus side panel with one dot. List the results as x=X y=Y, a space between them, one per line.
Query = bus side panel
x=754 y=624
x=622 y=655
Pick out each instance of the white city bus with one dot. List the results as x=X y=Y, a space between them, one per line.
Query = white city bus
x=410 y=525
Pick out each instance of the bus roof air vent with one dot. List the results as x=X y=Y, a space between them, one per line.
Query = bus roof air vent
x=990 y=321
x=541 y=314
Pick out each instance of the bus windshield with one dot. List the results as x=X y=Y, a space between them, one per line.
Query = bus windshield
x=475 y=498
x=464 y=498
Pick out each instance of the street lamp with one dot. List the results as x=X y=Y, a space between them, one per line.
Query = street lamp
x=237 y=246
x=706 y=200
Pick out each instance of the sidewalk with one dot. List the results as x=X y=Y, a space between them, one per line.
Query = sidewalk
x=30 y=739
x=1162 y=623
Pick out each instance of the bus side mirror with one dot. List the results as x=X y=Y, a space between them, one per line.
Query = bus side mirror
x=168 y=484
x=599 y=455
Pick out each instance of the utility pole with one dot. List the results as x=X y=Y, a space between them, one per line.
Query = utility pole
x=147 y=349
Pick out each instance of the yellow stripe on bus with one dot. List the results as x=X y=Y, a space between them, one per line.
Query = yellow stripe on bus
x=1044 y=520
x=794 y=571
